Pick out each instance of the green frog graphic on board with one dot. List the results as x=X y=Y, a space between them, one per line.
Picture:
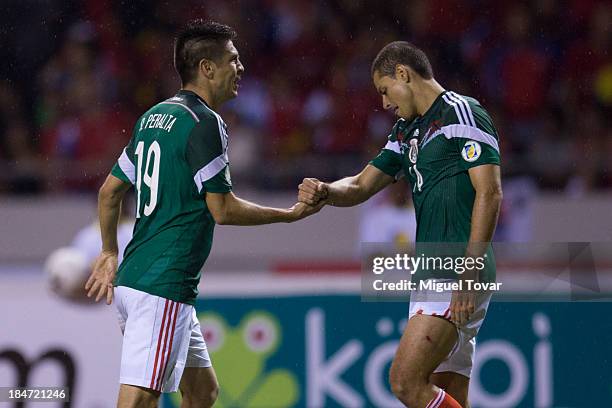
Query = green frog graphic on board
x=239 y=357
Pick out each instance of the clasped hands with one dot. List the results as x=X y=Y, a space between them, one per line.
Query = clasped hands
x=312 y=191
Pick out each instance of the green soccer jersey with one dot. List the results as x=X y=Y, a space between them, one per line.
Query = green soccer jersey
x=177 y=153
x=435 y=152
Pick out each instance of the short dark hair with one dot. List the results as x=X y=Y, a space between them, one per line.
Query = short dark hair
x=200 y=39
x=401 y=52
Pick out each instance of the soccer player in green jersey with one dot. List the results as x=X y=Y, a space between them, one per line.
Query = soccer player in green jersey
x=447 y=147
x=177 y=161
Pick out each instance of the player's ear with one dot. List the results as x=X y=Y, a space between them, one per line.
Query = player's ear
x=207 y=67
x=402 y=73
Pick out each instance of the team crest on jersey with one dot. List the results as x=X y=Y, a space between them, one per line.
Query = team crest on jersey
x=413 y=153
x=471 y=151
x=404 y=146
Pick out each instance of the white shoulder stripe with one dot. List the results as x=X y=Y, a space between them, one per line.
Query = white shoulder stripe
x=463 y=109
x=393 y=146
x=467 y=106
x=127 y=166
x=454 y=105
x=466 y=132
x=184 y=106
x=209 y=171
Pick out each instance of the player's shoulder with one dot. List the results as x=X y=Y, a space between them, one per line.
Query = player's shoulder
x=400 y=130
x=189 y=108
x=465 y=110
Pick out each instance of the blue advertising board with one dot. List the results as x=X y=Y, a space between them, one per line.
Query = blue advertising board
x=335 y=351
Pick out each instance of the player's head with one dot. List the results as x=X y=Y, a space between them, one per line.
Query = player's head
x=204 y=55
x=397 y=71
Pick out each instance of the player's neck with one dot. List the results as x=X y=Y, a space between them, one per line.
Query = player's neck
x=203 y=93
x=426 y=95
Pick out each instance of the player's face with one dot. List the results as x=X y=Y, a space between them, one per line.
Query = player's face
x=229 y=71
x=396 y=95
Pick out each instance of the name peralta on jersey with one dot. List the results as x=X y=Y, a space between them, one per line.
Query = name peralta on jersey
x=177 y=153
x=435 y=152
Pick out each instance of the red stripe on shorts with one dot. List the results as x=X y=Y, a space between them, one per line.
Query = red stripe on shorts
x=436 y=401
x=164 y=348
x=163 y=373
x=161 y=332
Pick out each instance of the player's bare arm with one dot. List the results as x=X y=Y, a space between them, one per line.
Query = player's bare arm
x=345 y=192
x=227 y=209
x=100 y=283
x=486 y=180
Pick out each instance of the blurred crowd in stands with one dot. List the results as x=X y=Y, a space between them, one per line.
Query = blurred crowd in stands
x=77 y=74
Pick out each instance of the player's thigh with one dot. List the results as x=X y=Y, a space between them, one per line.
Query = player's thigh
x=199 y=384
x=425 y=343
x=131 y=396
x=199 y=381
x=455 y=384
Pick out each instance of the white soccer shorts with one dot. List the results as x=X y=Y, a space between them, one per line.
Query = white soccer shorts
x=160 y=338
x=461 y=358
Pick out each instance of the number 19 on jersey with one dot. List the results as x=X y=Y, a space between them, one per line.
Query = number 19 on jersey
x=150 y=176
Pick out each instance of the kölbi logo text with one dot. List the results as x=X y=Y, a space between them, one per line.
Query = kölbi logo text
x=23 y=369
x=325 y=368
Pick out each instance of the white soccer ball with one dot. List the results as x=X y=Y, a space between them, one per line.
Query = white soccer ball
x=67 y=271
